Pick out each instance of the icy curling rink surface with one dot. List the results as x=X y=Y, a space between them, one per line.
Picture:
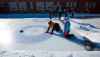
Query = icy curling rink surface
x=27 y=38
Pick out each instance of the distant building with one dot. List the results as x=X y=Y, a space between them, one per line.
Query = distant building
x=91 y=6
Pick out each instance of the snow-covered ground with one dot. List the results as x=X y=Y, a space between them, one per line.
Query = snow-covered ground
x=89 y=28
x=48 y=54
x=35 y=42
x=33 y=37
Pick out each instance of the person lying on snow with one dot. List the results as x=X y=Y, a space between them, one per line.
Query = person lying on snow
x=54 y=27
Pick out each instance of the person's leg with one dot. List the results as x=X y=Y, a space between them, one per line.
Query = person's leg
x=66 y=34
x=58 y=28
x=55 y=13
x=60 y=15
x=52 y=30
x=50 y=15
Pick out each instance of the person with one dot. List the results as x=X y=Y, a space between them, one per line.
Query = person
x=60 y=11
x=67 y=25
x=52 y=11
x=54 y=27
